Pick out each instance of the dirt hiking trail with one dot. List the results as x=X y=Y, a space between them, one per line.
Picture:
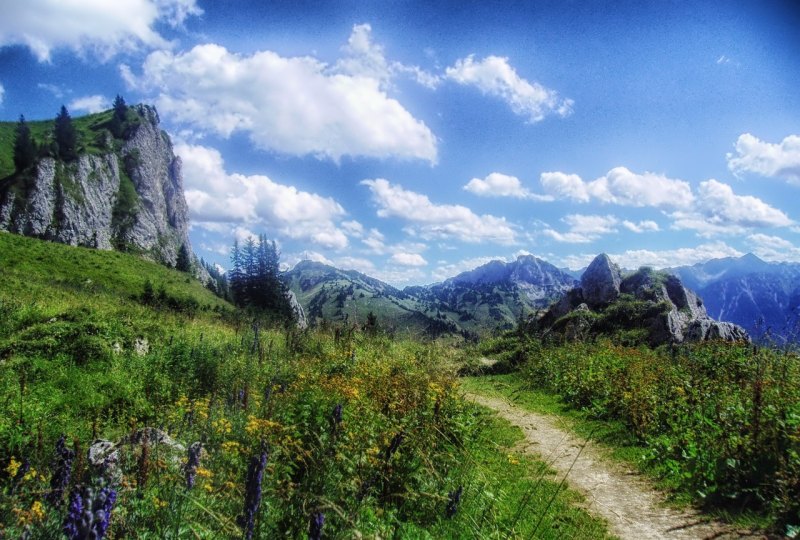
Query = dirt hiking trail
x=632 y=507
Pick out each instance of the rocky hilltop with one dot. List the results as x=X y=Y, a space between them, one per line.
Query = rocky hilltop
x=645 y=306
x=119 y=193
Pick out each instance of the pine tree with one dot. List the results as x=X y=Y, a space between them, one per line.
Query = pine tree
x=120 y=108
x=24 y=146
x=184 y=261
x=236 y=276
x=65 y=136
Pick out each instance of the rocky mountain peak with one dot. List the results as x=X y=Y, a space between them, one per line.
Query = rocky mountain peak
x=601 y=281
x=120 y=193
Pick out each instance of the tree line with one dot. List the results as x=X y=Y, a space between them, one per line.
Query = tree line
x=63 y=142
x=254 y=278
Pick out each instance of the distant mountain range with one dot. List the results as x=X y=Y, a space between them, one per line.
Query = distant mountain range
x=762 y=297
x=748 y=291
x=490 y=297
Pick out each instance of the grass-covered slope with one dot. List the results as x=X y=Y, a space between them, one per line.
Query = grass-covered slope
x=364 y=435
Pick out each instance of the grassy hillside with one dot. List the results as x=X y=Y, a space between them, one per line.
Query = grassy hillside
x=363 y=435
x=87 y=128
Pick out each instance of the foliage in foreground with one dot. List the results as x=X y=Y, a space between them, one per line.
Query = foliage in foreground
x=720 y=422
x=335 y=433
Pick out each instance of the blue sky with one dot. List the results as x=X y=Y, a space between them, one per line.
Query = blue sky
x=412 y=141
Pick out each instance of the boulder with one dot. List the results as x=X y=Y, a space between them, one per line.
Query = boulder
x=600 y=282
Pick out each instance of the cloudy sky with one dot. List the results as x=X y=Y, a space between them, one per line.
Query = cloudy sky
x=413 y=140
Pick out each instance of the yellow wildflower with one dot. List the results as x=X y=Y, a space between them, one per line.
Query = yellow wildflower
x=231 y=446
x=37 y=511
x=31 y=475
x=202 y=472
x=257 y=425
x=208 y=487
x=13 y=467
x=513 y=460
x=158 y=503
x=223 y=425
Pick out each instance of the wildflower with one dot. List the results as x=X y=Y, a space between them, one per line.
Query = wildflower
x=454 y=498
x=231 y=446
x=252 y=496
x=192 y=464
x=159 y=504
x=13 y=467
x=37 y=511
x=315 y=527
x=89 y=513
x=204 y=473
x=62 y=470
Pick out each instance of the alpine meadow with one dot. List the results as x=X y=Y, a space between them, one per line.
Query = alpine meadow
x=399 y=270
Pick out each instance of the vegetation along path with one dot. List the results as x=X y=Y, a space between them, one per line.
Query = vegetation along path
x=632 y=507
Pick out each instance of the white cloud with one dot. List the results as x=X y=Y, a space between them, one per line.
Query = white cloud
x=583 y=228
x=216 y=196
x=723 y=60
x=494 y=76
x=431 y=220
x=502 y=185
x=408 y=259
x=642 y=226
x=372 y=238
x=296 y=106
x=766 y=159
x=365 y=58
x=718 y=210
x=621 y=186
x=636 y=258
x=2 y=93
x=90 y=104
x=773 y=248
x=102 y=28
x=52 y=88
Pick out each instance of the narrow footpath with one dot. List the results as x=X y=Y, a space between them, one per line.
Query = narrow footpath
x=632 y=507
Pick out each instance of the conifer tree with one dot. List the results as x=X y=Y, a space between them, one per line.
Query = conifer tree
x=66 y=138
x=183 y=262
x=24 y=146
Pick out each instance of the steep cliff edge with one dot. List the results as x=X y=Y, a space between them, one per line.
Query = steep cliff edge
x=121 y=193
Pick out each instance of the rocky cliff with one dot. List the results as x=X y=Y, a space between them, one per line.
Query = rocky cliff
x=645 y=306
x=120 y=193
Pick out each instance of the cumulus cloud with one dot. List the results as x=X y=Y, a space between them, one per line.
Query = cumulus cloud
x=2 y=93
x=296 y=106
x=718 y=210
x=583 y=228
x=372 y=238
x=494 y=76
x=217 y=197
x=755 y=156
x=431 y=220
x=636 y=258
x=641 y=227
x=620 y=186
x=102 y=28
x=502 y=185
x=408 y=259
x=773 y=248
x=90 y=104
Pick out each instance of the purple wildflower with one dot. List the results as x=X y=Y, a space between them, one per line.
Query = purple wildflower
x=192 y=464
x=315 y=527
x=89 y=513
x=454 y=498
x=336 y=418
x=62 y=470
x=252 y=496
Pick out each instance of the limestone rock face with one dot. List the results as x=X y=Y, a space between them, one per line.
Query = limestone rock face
x=600 y=282
x=130 y=197
x=297 y=309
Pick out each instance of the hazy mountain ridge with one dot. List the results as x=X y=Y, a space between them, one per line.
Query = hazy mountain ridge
x=753 y=293
x=491 y=296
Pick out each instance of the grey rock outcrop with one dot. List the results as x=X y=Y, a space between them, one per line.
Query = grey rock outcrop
x=297 y=309
x=656 y=303
x=131 y=197
x=601 y=281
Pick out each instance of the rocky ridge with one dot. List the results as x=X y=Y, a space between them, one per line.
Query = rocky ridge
x=127 y=196
x=650 y=305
